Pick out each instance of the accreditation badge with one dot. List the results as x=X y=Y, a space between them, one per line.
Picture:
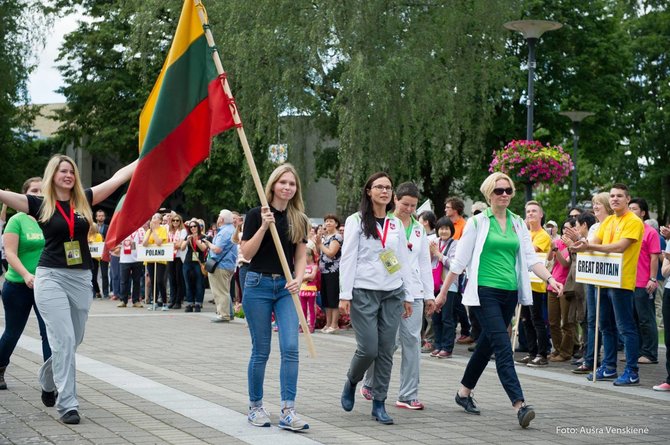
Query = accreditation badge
x=194 y=257
x=390 y=261
x=73 y=253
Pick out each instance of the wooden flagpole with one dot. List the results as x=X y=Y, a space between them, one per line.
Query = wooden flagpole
x=254 y=173
x=595 y=337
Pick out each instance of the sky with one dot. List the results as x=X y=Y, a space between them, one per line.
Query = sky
x=46 y=78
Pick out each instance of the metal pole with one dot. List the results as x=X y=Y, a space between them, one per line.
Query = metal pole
x=575 y=143
x=531 y=87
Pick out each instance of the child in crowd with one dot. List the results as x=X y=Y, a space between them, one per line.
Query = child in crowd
x=442 y=251
x=308 y=290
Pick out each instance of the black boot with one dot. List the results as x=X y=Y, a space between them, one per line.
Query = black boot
x=3 y=384
x=379 y=413
x=348 y=395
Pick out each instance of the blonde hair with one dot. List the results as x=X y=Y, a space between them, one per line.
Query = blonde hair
x=299 y=225
x=490 y=183
x=78 y=199
x=603 y=198
x=174 y=215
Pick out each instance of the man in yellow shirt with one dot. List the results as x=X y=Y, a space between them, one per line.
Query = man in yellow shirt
x=532 y=316
x=619 y=233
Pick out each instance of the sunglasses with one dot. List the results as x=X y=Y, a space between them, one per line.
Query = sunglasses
x=193 y=227
x=176 y=220
x=500 y=191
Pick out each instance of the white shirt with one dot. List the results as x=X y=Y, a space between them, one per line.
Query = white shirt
x=421 y=286
x=128 y=252
x=360 y=265
x=178 y=236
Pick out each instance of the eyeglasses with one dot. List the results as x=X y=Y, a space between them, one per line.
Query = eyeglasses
x=500 y=191
x=386 y=188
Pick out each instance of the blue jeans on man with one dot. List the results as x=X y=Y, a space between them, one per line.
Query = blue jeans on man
x=616 y=313
x=263 y=295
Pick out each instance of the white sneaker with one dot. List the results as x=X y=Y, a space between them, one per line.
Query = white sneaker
x=258 y=416
x=289 y=420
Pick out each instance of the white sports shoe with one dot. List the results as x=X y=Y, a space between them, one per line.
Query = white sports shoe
x=289 y=420
x=258 y=416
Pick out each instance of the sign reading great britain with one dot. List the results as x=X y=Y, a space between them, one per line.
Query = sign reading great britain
x=153 y=253
x=600 y=269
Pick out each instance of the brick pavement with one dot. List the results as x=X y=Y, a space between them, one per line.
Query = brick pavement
x=175 y=378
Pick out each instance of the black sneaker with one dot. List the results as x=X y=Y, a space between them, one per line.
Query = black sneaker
x=49 y=398
x=538 y=362
x=188 y=308
x=71 y=417
x=196 y=308
x=468 y=404
x=525 y=415
x=525 y=360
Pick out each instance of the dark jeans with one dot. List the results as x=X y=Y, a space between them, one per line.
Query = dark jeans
x=115 y=274
x=591 y=302
x=194 y=283
x=666 y=333
x=461 y=315
x=103 y=266
x=176 y=280
x=536 y=329
x=645 y=318
x=134 y=272
x=616 y=314
x=476 y=330
x=444 y=324
x=159 y=270
x=17 y=300
x=494 y=314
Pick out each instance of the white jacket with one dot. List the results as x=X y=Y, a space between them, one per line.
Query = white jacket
x=470 y=247
x=360 y=266
x=421 y=286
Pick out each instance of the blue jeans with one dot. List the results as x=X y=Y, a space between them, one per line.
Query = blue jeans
x=17 y=300
x=591 y=300
x=244 y=268
x=646 y=323
x=444 y=324
x=494 y=313
x=616 y=313
x=263 y=295
x=666 y=333
x=193 y=282
x=115 y=274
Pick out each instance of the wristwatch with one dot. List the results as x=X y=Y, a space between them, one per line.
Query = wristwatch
x=652 y=279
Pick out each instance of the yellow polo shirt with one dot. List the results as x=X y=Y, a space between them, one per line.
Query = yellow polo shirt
x=542 y=242
x=615 y=228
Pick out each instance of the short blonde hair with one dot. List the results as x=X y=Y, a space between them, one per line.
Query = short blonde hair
x=603 y=198
x=490 y=183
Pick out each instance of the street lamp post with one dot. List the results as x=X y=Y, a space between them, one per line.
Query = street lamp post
x=531 y=30
x=576 y=117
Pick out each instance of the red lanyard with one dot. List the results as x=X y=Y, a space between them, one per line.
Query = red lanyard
x=70 y=220
x=382 y=236
x=193 y=245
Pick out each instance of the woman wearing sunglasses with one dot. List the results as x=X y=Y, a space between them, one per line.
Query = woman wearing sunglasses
x=498 y=253
x=176 y=234
x=195 y=247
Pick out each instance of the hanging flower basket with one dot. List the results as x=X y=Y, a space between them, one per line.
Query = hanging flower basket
x=531 y=162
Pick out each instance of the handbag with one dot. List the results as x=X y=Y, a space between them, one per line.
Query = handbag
x=210 y=265
x=203 y=269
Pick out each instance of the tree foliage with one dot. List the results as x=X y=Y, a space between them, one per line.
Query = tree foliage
x=425 y=90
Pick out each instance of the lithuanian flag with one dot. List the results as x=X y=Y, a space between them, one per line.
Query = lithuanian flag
x=186 y=108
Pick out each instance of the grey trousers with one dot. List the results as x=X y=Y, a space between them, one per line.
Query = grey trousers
x=409 y=342
x=64 y=298
x=375 y=316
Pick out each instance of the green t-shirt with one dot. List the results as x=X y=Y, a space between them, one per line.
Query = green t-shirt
x=31 y=244
x=497 y=264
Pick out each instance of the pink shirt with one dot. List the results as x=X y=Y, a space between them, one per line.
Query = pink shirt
x=560 y=272
x=651 y=244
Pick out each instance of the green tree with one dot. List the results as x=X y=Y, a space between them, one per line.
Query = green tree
x=649 y=116
x=22 y=28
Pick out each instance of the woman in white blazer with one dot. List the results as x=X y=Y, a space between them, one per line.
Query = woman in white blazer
x=498 y=253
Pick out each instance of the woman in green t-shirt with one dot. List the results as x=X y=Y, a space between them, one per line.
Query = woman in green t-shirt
x=24 y=243
x=498 y=253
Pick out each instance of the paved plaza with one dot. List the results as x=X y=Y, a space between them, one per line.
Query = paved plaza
x=176 y=378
